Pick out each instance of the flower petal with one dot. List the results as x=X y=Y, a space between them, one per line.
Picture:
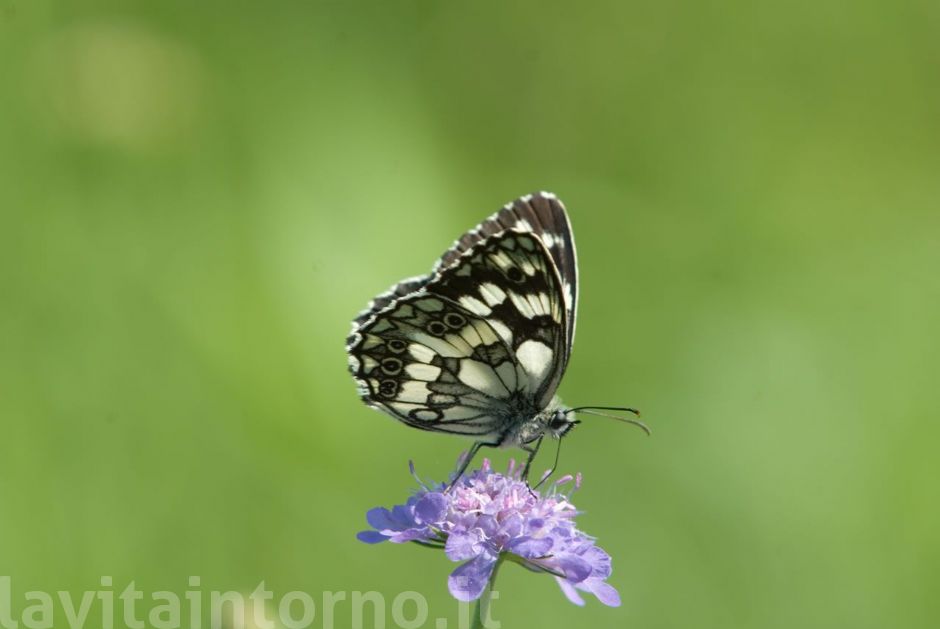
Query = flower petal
x=431 y=508
x=575 y=568
x=529 y=547
x=371 y=537
x=462 y=546
x=570 y=592
x=402 y=516
x=599 y=560
x=605 y=593
x=488 y=524
x=409 y=535
x=380 y=518
x=468 y=581
x=512 y=523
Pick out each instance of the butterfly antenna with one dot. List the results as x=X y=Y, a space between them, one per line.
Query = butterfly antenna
x=593 y=410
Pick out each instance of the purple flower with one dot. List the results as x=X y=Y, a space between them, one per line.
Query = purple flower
x=487 y=516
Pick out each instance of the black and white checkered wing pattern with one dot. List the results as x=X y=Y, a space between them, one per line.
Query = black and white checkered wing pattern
x=432 y=364
x=544 y=215
x=483 y=341
x=510 y=281
x=399 y=290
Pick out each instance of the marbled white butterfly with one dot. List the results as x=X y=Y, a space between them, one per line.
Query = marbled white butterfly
x=478 y=346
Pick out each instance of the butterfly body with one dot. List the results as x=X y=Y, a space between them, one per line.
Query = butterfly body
x=529 y=424
x=479 y=346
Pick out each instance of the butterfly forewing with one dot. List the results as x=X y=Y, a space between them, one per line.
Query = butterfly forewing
x=509 y=280
x=545 y=216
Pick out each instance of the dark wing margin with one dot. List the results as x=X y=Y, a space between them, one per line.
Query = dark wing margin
x=382 y=301
x=543 y=214
x=402 y=288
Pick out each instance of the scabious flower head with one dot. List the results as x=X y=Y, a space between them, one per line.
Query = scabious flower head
x=487 y=515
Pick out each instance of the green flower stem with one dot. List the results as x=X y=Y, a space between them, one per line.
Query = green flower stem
x=481 y=610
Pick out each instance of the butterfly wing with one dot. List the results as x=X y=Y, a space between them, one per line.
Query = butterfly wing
x=482 y=343
x=510 y=281
x=427 y=361
x=399 y=290
x=543 y=215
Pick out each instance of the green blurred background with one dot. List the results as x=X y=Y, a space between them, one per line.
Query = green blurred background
x=198 y=197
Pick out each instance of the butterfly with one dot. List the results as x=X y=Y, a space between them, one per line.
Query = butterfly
x=479 y=346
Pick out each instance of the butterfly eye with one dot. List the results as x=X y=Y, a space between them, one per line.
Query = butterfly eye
x=437 y=328
x=391 y=366
x=454 y=320
x=559 y=420
x=388 y=388
x=515 y=275
x=397 y=346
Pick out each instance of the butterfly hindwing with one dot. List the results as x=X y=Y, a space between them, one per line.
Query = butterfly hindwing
x=436 y=366
x=402 y=288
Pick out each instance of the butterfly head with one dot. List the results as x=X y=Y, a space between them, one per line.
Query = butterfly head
x=561 y=421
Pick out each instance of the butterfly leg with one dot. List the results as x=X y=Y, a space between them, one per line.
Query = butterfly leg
x=465 y=462
x=551 y=471
x=532 y=450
